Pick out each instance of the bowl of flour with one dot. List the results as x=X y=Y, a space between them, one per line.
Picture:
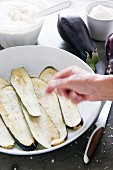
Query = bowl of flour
x=16 y=26
x=99 y=16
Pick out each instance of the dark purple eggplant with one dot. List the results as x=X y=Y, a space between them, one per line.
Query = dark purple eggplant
x=109 y=54
x=74 y=31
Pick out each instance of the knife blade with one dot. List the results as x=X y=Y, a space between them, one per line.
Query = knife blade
x=97 y=133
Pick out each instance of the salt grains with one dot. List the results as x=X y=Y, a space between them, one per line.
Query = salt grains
x=101 y=12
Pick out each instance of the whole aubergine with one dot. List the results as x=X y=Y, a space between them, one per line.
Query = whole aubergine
x=109 y=54
x=73 y=30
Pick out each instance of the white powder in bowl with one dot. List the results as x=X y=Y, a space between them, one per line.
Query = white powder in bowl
x=101 y=12
x=19 y=14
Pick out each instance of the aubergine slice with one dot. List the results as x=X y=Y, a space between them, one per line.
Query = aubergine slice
x=47 y=74
x=12 y=115
x=41 y=127
x=23 y=85
x=51 y=106
x=3 y=83
x=70 y=111
x=6 y=140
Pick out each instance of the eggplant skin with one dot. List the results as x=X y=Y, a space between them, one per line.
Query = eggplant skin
x=109 y=69
x=109 y=47
x=109 y=54
x=31 y=147
x=73 y=30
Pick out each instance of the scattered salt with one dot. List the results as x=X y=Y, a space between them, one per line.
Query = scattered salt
x=101 y=12
x=111 y=136
x=52 y=160
x=104 y=143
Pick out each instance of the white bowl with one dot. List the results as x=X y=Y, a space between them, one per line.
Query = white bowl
x=99 y=29
x=36 y=58
x=19 y=35
x=25 y=37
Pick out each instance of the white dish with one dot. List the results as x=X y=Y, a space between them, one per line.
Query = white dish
x=35 y=59
x=99 y=29
x=18 y=27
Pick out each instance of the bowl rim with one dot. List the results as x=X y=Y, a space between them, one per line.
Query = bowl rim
x=95 y=3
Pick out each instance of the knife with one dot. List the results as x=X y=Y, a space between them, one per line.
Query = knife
x=97 y=133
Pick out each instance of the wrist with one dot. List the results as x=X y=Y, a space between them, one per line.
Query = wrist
x=104 y=86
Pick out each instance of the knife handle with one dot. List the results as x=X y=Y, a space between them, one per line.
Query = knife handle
x=92 y=143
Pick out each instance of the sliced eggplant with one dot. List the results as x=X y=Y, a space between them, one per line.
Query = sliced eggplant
x=6 y=140
x=3 y=83
x=70 y=111
x=47 y=74
x=23 y=85
x=41 y=127
x=12 y=115
x=51 y=106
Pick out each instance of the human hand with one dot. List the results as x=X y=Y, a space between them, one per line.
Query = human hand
x=74 y=83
